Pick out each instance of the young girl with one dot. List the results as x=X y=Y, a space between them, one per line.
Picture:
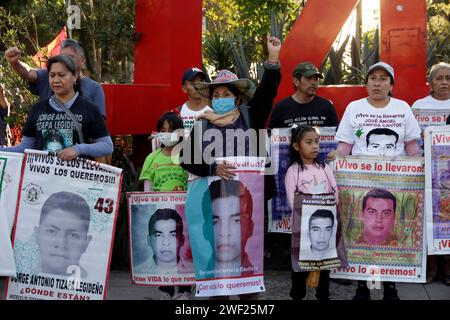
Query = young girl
x=162 y=172
x=308 y=175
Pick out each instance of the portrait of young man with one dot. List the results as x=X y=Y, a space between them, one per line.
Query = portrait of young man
x=62 y=234
x=165 y=239
x=378 y=217
x=319 y=244
x=232 y=209
x=382 y=141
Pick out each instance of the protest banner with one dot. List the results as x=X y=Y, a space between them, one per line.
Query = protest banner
x=381 y=200
x=10 y=184
x=437 y=186
x=279 y=212
x=430 y=117
x=10 y=168
x=63 y=233
x=226 y=228
x=316 y=233
x=328 y=141
x=159 y=239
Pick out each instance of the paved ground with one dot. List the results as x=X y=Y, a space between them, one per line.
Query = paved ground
x=277 y=288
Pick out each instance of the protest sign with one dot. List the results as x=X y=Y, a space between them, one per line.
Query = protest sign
x=10 y=184
x=381 y=200
x=63 y=233
x=328 y=142
x=226 y=227
x=430 y=117
x=279 y=212
x=437 y=186
x=315 y=236
x=9 y=181
x=159 y=239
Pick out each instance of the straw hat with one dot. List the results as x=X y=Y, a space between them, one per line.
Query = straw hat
x=228 y=78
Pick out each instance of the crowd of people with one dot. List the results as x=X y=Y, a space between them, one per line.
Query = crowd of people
x=69 y=120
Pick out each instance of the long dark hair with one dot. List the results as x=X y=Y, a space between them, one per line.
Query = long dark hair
x=70 y=65
x=174 y=120
x=297 y=135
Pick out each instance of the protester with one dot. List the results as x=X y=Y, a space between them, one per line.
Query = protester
x=196 y=104
x=438 y=99
x=236 y=113
x=309 y=175
x=38 y=78
x=439 y=83
x=162 y=172
x=304 y=106
x=4 y=112
x=378 y=110
x=228 y=95
x=80 y=123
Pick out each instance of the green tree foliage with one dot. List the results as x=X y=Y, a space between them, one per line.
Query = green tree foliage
x=243 y=24
x=438 y=26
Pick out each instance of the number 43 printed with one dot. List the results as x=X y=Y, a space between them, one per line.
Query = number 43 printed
x=106 y=206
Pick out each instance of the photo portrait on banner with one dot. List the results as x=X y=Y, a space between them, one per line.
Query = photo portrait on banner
x=159 y=239
x=437 y=164
x=381 y=200
x=226 y=226
x=64 y=229
x=315 y=236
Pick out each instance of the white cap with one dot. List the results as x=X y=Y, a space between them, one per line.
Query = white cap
x=382 y=66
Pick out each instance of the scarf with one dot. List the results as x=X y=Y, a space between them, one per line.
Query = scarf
x=221 y=120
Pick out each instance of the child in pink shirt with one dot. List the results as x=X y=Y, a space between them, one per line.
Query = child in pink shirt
x=308 y=175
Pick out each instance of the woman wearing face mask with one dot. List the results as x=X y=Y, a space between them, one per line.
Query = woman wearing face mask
x=237 y=106
x=239 y=111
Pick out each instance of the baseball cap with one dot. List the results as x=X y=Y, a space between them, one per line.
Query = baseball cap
x=381 y=66
x=191 y=73
x=306 y=69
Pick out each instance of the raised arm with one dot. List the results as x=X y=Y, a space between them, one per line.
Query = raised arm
x=26 y=72
x=262 y=101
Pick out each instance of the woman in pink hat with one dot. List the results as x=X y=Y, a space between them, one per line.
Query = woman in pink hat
x=238 y=112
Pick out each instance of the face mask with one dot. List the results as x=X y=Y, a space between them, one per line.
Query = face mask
x=223 y=105
x=168 y=139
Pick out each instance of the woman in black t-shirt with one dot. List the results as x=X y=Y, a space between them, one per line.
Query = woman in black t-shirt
x=47 y=119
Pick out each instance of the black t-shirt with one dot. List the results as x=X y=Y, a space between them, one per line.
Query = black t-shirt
x=318 y=112
x=54 y=130
x=448 y=119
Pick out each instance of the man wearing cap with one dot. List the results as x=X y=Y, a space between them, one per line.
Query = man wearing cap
x=196 y=104
x=304 y=106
